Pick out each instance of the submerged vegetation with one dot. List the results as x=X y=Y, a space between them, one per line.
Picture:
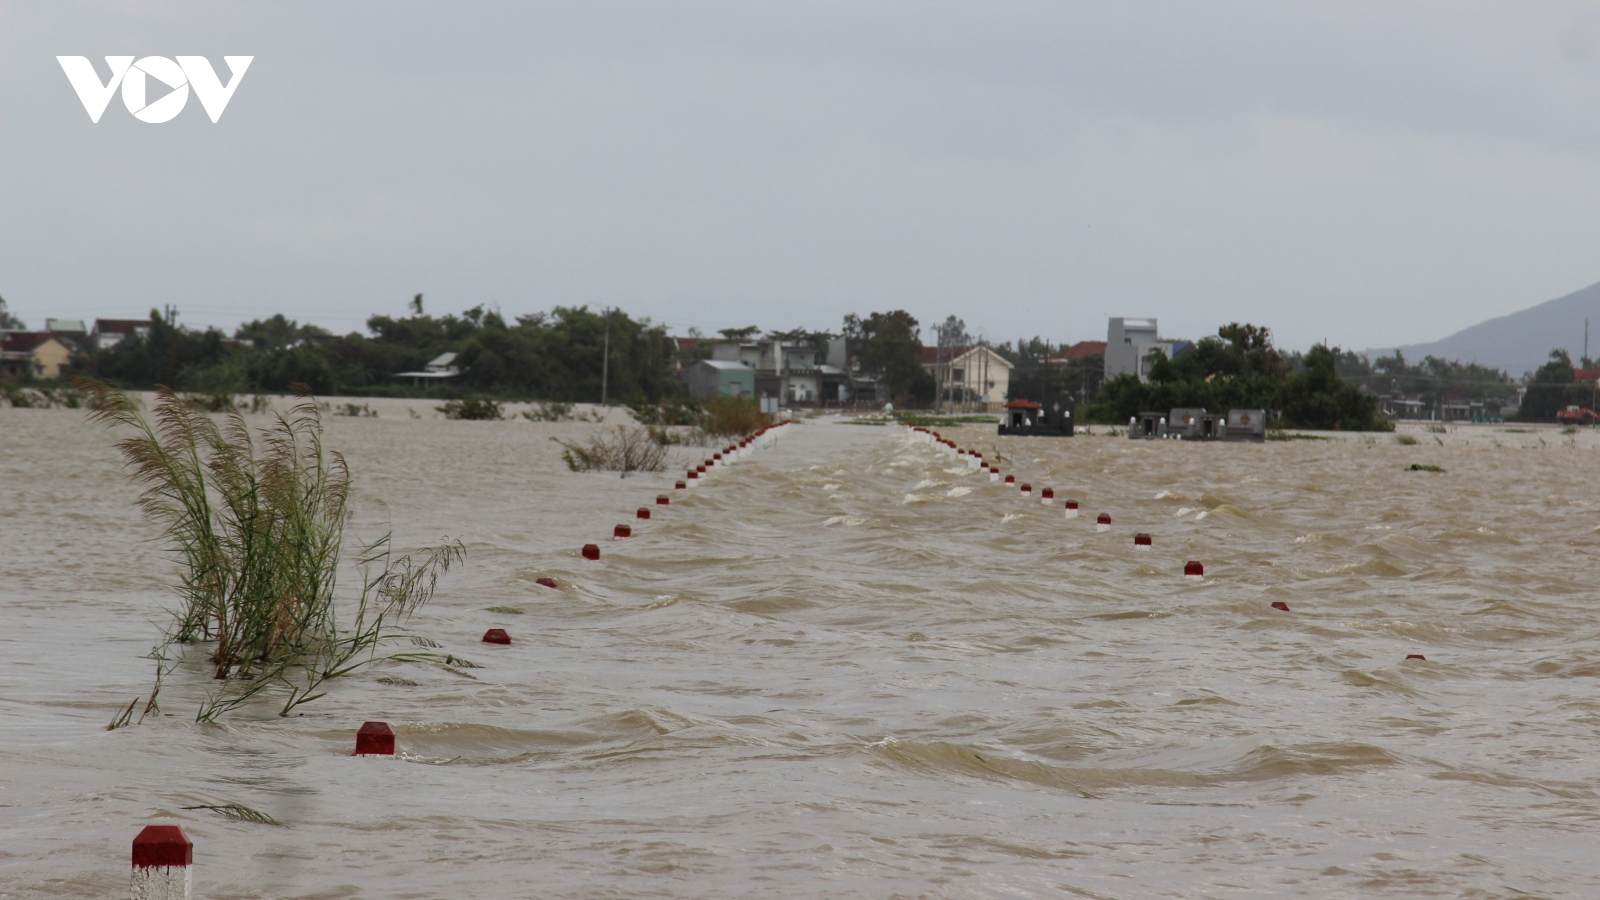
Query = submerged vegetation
x=725 y=416
x=480 y=408
x=259 y=532
x=38 y=395
x=618 y=449
x=238 y=812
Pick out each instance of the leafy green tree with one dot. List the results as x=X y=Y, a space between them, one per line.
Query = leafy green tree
x=1317 y=397
x=886 y=345
x=7 y=320
x=816 y=340
x=1241 y=369
x=1551 y=389
x=171 y=355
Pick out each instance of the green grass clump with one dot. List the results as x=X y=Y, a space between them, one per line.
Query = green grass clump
x=1405 y=440
x=259 y=532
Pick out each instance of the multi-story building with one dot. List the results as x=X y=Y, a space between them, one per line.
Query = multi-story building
x=1128 y=345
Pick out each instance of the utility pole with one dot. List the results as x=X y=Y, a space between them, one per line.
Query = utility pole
x=605 y=361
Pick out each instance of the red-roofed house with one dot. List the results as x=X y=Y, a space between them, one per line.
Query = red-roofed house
x=109 y=331
x=35 y=353
x=1080 y=350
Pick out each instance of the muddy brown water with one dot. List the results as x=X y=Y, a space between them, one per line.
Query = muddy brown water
x=850 y=667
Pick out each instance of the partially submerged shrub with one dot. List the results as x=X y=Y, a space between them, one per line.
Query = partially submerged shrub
x=670 y=411
x=617 y=449
x=213 y=401
x=355 y=411
x=39 y=396
x=1405 y=440
x=259 y=532
x=548 y=411
x=729 y=416
x=473 y=408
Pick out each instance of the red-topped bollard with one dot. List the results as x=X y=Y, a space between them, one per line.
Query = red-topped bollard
x=663 y=500
x=1027 y=489
x=591 y=551
x=1103 y=523
x=162 y=859
x=1047 y=496
x=1280 y=606
x=678 y=487
x=496 y=636
x=643 y=513
x=1193 y=569
x=622 y=531
x=1011 y=479
x=375 y=739
x=548 y=582
x=1141 y=540
x=1072 y=509
x=1416 y=656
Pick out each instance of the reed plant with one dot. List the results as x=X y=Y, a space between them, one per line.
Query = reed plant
x=258 y=527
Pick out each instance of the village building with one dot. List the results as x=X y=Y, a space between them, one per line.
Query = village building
x=975 y=376
x=441 y=369
x=1080 y=350
x=786 y=371
x=1128 y=346
x=107 y=332
x=713 y=377
x=36 y=354
x=67 y=328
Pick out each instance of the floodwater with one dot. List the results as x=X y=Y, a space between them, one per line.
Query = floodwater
x=850 y=667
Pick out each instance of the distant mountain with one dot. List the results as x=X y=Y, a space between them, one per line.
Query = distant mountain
x=1522 y=341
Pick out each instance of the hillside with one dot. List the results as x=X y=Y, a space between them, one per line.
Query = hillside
x=1521 y=341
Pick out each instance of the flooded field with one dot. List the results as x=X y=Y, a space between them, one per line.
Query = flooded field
x=851 y=667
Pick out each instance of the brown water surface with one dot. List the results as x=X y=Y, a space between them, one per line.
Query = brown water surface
x=851 y=667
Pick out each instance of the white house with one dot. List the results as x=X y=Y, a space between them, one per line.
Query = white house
x=975 y=374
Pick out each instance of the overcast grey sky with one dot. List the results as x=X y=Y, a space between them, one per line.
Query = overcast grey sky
x=1373 y=173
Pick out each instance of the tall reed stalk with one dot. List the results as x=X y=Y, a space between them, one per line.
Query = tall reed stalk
x=259 y=529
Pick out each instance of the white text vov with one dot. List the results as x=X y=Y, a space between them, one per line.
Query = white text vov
x=187 y=71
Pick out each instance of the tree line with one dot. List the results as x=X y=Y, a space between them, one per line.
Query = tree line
x=1239 y=368
x=565 y=353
